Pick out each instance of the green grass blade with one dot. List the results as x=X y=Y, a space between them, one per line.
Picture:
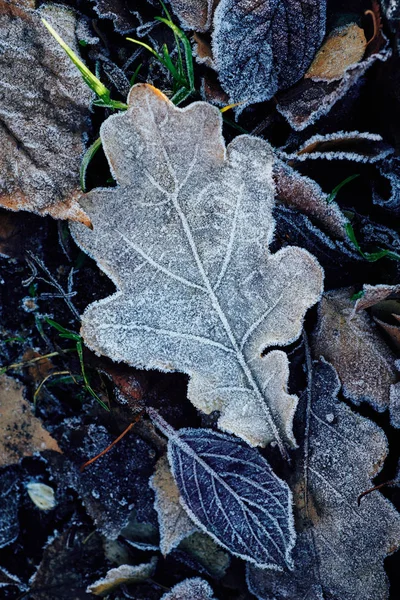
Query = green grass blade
x=186 y=47
x=135 y=74
x=337 y=189
x=90 y=152
x=147 y=47
x=90 y=79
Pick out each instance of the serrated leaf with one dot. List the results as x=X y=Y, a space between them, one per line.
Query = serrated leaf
x=44 y=115
x=230 y=492
x=341 y=546
x=351 y=342
x=198 y=290
x=264 y=46
x=195 y=589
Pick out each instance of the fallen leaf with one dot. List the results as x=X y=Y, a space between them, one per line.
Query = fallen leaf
x=42 y=495
x=254 y=519
x=7 y=579
x=351 y=342
x=393 y=331
x=390 y=170
x=394 y=406
x=198 y=290
x=9 y=504
x=44 y=115
x=174 y=523
x=345 y=46
x=341 y=546
x=194 y=14
x=21 y=433
x=373 y=294
x=343 y=145
x=202 y=51
x=264 y=46
x=310 y=100
x=125 y=18
x=195 y=589
x=68 y=563
x=300 y=192
x=122 y=575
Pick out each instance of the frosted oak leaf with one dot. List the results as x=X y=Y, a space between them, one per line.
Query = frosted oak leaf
x=185 y=238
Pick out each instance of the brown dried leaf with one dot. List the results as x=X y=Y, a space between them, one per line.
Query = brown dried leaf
x=194 y=14
x=372 y=294
x=174 y=522
x=340 y=546
x=345 y=46
x=44 y=114
x=351 y=342
x=298 y=191
x=21 y=433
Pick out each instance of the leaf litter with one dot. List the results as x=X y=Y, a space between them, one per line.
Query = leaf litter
x=99 y=526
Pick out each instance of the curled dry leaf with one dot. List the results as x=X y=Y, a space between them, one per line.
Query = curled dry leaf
x=198 y=291
x=300 y=192
x=343 y=145
x=345 y=46
x=122 y=575
x=174 y=523
x=194 y=14
x=373 y=294
x=44 y=114
x=264 y=46
x=254 y=517
x=351 y=342
x=195 y=589
x=21 y=434
x=390 y=170
x=341 y=546
x=309 y=100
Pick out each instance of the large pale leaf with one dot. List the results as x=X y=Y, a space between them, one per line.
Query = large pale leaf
x=185 y=238
x=264 y=46
x=44 y=113
x=352 y=343
x=229 y=490
x=340 y=546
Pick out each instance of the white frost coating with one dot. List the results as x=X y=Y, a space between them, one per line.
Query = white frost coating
x=318 y=147
x=190 y=589
x=174 y=523
x=394 y=406
x=185 y=238
x=194 y=14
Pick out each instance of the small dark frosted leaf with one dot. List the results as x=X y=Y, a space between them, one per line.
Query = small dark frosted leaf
x=9 y=503
x=194 y=14
x=341 y=546
x=195 y=589
x=124 y=16
x=390 y=169
x=231 y=493
x=262 y=47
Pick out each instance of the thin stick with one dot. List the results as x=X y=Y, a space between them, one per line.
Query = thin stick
x=92 y=460
x=373 y=489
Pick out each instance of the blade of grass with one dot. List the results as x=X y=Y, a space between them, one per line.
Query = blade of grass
x=337 y=189
x=90 y=152
x=369 y=256
x=135 y=74
x=186 y=47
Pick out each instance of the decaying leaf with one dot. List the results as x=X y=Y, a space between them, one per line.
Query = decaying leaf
x=309 y=100
x=175 y=524
x=69 y=561
x=122 y=13
x=194 y=14
x=122 y=575
x=300 y=192
x=394 y=407
x=345 y=46
x=264 y=46
x=341 y=546
x=351 y=342
x=207 y=553
x=343 y=145
x=7 y=580
x=44 y=114
x=21 y=433
x=195 y=589
x=254 y=518
x=390 y=170
x=9 y=504
x=42 y=495
x=372 y=294
x=198 y=290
